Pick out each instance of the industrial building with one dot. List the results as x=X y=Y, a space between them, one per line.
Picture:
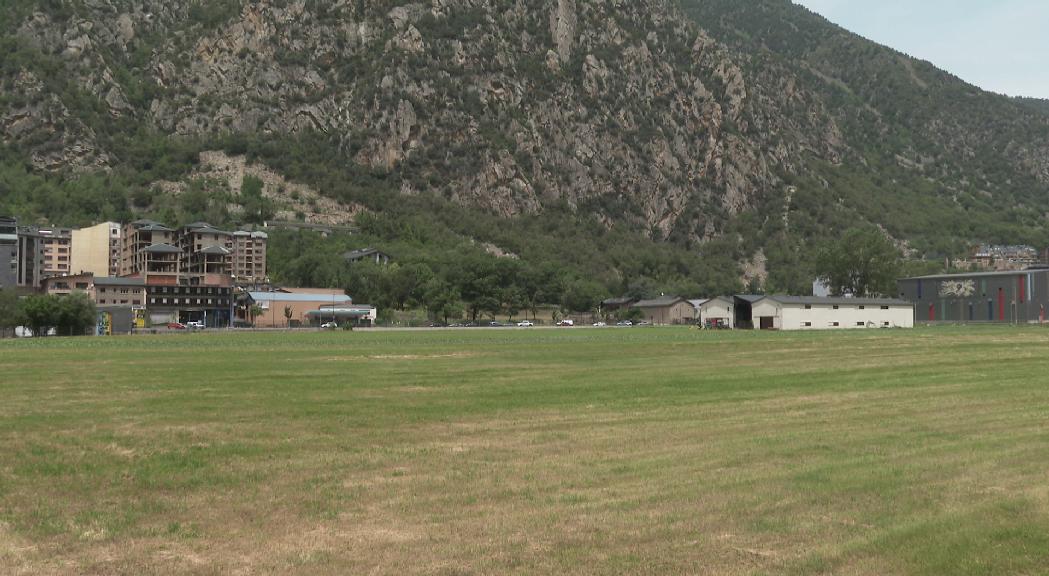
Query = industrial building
x=1018 y=297
x=815 y=313
x=666 y=310
x=718 y=313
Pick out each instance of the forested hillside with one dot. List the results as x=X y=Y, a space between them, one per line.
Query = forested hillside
x=689 y=146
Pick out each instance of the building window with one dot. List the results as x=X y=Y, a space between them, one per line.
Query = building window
x=807 y=324
x=835 y=324
x=136 y=302
x=835 y=307
x=863 y=307
x=808 y=306
x=884 y=307
x=885 y=324
x=861 y=324
x=102 y=301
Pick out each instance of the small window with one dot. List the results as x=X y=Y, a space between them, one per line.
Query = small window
x=807 y=324
x=863 y=307
x=884 y=307
x=835 y=306
x=835 y=324
x=808 y=306
x=861 y=324
x=885 y=324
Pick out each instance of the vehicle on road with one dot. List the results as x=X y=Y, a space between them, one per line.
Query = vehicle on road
x=566 y=322
x=495 y=324
x=195 y=324
x=525 y=324
x=624 y=323
x=643 y=323
x=329 y=325
x=600 y=324
x=176 y=326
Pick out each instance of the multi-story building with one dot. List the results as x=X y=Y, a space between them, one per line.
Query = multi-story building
x=66 y=285
x=249 y=257
x=43 y=252
x=135 y=238
x=206 y=253
x=97 y=250
x=8 y=252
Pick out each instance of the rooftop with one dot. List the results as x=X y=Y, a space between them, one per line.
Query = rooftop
x=828 y=301
x=214 y=251
x=162 y=249
x=118 y=281
x=362 y=253
x=980 y=274
x=659 y=302
x=310 y=298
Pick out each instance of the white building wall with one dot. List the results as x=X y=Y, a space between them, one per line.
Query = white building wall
x=717 y=309
x=768 y=308
x=845 y=317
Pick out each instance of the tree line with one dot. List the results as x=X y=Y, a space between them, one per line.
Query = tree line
x=44 y=314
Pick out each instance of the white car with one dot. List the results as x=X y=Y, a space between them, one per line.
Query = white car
x=329 y=325
x=525 y=324
x=195 y=324
x=599 y=324
x=566 y=322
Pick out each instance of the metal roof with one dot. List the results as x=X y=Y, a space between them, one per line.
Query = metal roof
x=831 y=301
x=659 y=302
x=310 y=298
x=214 y=251
x=154 y=228
x=752 y=298
x=117 y=281
x=162 y=249
x=355 y=311
x=698 y=302
x=362 y=253
x=980 y=274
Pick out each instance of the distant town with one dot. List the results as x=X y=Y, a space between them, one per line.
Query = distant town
x=145 y=275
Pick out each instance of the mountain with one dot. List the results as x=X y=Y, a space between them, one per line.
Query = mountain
x=701 y=142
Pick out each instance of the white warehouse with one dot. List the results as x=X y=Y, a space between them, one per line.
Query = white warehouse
x=814 y=313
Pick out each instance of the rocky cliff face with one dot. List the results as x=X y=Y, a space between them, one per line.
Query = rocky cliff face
x=626 y=109
x=669 y=117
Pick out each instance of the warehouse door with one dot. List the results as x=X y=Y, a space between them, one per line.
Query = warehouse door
x=768 y=322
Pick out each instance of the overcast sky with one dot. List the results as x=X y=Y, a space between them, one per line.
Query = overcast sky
x=998 y=45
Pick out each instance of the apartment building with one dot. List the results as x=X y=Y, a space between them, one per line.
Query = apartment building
x=136 y=237
x=249 y=257
x=8 y=252
x=97 y=250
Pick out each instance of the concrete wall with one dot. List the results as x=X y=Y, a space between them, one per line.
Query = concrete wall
x=91 y=249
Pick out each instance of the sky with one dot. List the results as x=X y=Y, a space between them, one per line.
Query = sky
x=998 y=45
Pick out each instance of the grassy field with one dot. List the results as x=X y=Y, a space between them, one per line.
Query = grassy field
x=618 y=451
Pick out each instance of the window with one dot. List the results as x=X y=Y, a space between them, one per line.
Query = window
x=861 y=324
x=885 y=324
x=835 y=306
x=123 y=301
x=884 y=307
x=807 y=324
x=102 y=301
x=863 y=307
x=808 y=306
x=835 y=324
x=136 y=302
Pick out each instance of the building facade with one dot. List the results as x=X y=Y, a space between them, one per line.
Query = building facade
x=275 y=307
x=991 y=297
x=666 y=310
x=718 y=313
x=249 y=257
x=8 y=253
x=96 y=250
x=815 y=313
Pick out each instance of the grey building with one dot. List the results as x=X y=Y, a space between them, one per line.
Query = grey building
x=8 y=252
x=367 y=254
x=1002 y=297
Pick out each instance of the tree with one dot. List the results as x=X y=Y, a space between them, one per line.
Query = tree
x=863 y=262
x=287 y=316
x=10 y=317
x=74 y=314
x=39 y=313
x=255 y=311
x=442 y=300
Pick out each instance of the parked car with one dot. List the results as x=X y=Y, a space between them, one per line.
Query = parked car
x=599 y=324
x=329 y=325
x=624 y=323
x=495 y=324
x=643 y=323
x=176 y=326
x=566 y=322
x=195 y=324
x=525 y=324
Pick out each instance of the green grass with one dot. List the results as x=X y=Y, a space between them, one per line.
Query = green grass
x=655 y=451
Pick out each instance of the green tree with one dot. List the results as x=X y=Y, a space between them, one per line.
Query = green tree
x=74 y=314
x=287 y=316
x=863 y=262
x=10 y=316
x=40 y=314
